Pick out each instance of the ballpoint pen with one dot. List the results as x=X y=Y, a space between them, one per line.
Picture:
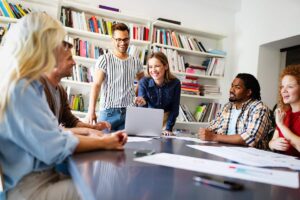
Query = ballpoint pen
x=228 y=185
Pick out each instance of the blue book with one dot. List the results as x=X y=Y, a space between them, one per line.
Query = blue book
x=4 y=11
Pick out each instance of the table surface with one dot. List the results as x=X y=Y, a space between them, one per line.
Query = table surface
x=115 y=175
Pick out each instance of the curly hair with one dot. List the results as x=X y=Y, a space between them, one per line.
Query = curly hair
x=291 y=70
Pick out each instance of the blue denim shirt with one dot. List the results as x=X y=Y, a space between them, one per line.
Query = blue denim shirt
x=166 y=97
x=30 y=139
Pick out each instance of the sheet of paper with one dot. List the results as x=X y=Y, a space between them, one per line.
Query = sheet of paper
x=251 y=156
x=269 y=176
x=190 y=139
x=138 y=139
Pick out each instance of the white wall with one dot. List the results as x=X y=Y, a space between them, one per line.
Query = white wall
x=259 y=22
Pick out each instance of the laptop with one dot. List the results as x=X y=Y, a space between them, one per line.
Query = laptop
x=144 y=121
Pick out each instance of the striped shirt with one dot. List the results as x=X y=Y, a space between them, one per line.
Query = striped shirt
x=118 y=87
x=253 y=123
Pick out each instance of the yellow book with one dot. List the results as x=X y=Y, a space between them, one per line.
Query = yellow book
x=21 y=10
x=10 y=13
x=109 y=25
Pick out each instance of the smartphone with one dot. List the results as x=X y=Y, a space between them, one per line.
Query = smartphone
x=144 y=152
x=228 y=185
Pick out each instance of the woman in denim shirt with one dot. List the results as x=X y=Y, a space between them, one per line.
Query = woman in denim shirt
x=160 y=89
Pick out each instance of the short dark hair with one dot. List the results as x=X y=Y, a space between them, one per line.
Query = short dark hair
x=119 y=27
x=251 y=83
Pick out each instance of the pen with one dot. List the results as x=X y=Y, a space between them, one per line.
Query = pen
x=218 y=183
x=249 y=171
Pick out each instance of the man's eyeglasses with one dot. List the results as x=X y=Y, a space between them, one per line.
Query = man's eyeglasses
x=119 y=40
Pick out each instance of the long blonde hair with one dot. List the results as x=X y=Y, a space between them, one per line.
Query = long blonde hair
x=27 y=51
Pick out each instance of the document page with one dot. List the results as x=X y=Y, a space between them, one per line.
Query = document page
x=252 y=156
x=197 y=140
x=269 y=176
x=138 y=139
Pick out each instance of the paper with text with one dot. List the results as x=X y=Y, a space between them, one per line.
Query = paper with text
x=251 y=156
x=269 y=176
x=197 y=140
x=138 y=139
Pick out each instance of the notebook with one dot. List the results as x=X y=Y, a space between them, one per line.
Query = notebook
x=144 y=121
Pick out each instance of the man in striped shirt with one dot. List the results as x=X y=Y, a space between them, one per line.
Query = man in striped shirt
x=245 y=120
x=115 y=74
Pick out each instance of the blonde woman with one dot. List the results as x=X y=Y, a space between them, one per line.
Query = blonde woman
x=160 y=89
x=31 y=143
x=286 y=138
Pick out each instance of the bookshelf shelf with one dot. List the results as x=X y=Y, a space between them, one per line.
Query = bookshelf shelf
x=104 y=13
x=98 y=36
x=79 y=113
x=8 y=20
x=209 y=97
x=196 y=75
x=187 y=50
x=81 y=59
x=188 y=30
x=76 y=82
x=197 y=53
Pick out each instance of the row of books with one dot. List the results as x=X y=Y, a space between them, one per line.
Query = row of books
x=139 y=52
x=86 y=49
x=83 y=21
x=82 y=73
x=210 y=90
x=76 y=102
x=205 y=112
x=12 y=10
x=172 y=38
x=194 y=69
x=190 y=85
x=176 y=61
x=215 y=66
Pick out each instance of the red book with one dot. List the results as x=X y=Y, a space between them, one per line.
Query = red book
x=95 y=23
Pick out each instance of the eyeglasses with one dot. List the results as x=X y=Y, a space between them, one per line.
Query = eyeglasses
x=119 y=40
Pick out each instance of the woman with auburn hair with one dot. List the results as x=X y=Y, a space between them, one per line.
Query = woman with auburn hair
x=31 y=142
x=160 y=89
x=287 y=135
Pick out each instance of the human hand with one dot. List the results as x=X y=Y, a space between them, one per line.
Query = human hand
x=279 y=116
x=140 y=101
x=91 y=118
x=206 y=134
x=280 y=144
x=167 y=133
x=115 y=140
x=102 y=125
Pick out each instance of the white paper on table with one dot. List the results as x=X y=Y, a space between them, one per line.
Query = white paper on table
x=197 y=140
x=138 y=139
x=251 y=156
x=269 y=176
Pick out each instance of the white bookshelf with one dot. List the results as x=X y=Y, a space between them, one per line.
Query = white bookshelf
x=193 y=57
x=190 y=52
x=102 y=40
